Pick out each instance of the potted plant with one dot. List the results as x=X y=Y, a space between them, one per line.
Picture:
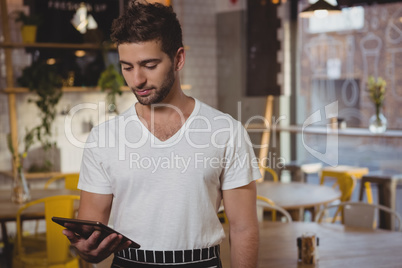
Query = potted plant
x=29 y=26
x=111 y=81
x=376 y=91
x=43 y=80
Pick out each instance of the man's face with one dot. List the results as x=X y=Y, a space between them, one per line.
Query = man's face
x=148 y=71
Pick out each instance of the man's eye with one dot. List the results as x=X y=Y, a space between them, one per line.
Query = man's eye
x=127 y=68
x=150 y=67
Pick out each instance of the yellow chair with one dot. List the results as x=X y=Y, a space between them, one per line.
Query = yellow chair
x=55 y=253
x=346 y=184
x=272 y=172
x=70 y=180
x=341 y=171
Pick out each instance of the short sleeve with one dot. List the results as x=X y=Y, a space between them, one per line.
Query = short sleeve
x=241 y=163
x=93 y=177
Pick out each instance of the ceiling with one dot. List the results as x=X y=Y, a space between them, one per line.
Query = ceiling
x=349 y=3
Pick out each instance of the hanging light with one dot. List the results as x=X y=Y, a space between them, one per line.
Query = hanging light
x=82 y=21
x=320 y=9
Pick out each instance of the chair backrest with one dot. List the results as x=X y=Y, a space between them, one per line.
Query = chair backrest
x=264 y=203
x=345 y=183
x=272 y=172
x=359 y=214
x=57 y=245
x=70 y=180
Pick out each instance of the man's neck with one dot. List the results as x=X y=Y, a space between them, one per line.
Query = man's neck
x=176 y=104
x=164 y=120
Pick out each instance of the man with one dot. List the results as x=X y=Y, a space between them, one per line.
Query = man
x=166 y=163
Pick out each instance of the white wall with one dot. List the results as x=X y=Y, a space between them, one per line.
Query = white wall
x=198 y=20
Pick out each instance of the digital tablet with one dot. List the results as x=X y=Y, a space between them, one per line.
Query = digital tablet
x=85 y=228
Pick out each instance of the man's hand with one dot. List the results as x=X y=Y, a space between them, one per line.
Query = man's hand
x=92 y=250
x=95 y=207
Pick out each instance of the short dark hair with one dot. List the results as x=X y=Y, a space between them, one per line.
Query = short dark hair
x=143 y=22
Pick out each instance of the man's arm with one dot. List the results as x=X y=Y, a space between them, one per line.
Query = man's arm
x=240 y=208
x=95 y=207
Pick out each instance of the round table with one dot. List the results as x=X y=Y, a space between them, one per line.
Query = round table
x=297 y=196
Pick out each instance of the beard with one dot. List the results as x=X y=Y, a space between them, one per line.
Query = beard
x=159 y=94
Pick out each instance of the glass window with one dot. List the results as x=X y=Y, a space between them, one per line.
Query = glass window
x=336 y=57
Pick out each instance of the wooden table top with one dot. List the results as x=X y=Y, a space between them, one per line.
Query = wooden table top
x=297 y=195
x=339 y=246
x=8 y=209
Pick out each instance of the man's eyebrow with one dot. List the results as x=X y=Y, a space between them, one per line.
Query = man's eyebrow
x=142 y=62
x=124 y=62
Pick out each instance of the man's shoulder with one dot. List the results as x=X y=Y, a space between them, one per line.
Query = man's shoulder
x=112 y=122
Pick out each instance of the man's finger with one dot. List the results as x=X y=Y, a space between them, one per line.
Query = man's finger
x=70 y=236
x=111 y=242
x=93 y=240
x=123 y=246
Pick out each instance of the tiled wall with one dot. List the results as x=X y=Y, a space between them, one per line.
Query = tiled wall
x=198 y=19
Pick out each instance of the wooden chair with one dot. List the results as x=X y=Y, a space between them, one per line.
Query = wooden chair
x=359 y=214
x=70 y=181
x=54 y=251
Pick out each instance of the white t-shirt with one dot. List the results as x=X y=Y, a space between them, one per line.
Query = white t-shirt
x=167 y=193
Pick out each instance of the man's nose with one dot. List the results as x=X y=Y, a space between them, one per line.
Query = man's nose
x=139 y=79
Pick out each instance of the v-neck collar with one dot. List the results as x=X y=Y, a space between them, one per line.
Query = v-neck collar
x=175 y=137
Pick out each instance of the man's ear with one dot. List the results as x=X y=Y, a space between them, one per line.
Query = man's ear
x=180 y=59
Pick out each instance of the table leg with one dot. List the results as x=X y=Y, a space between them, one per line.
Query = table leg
x=301 y=214
x=7 y=247
x=361 y=190
x=295 y=214
x=387 y=195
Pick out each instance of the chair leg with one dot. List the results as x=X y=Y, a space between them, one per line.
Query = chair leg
x=339 y=210
x=369 y=193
